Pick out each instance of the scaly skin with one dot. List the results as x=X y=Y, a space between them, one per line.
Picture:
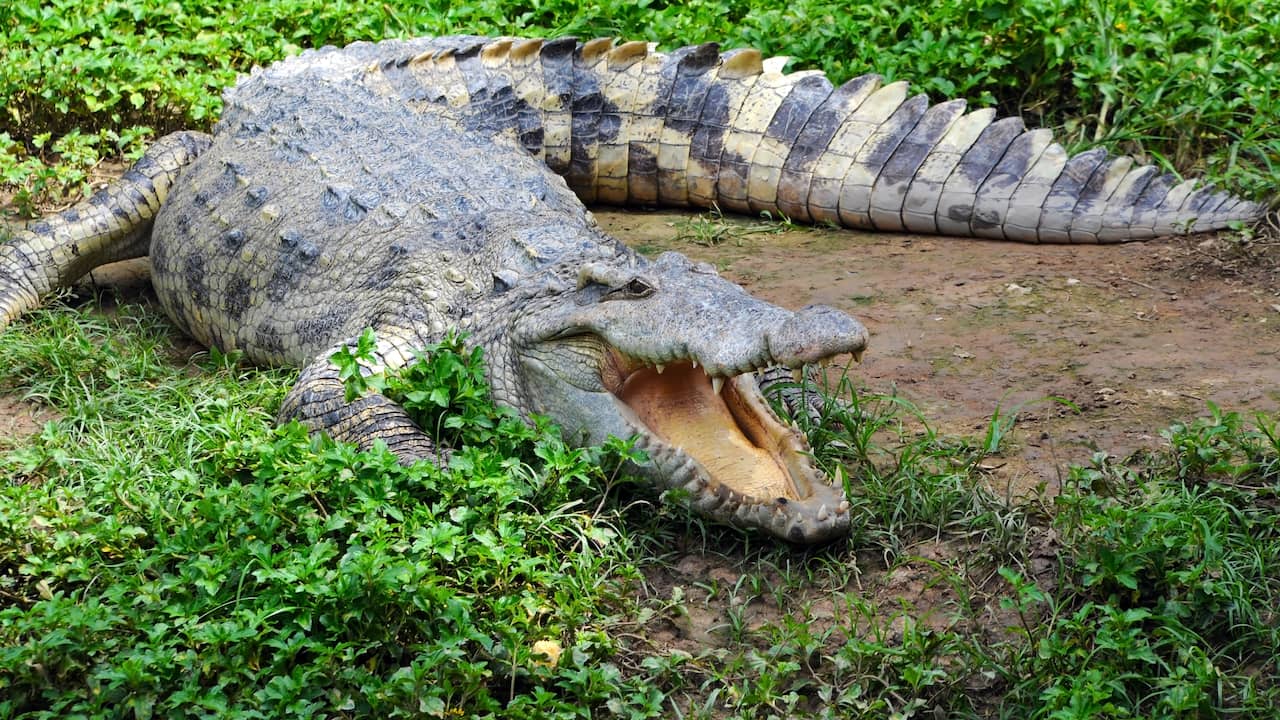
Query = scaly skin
x=57 y=250
x=411 y=187
x=698 y=127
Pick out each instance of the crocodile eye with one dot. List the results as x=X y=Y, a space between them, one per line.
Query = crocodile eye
x=638 y=287
x=634 y=289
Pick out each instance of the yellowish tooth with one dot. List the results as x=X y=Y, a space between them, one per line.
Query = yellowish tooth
x=797 y=374
x=717 y=383
x=695 y=364
x=659 y=368
x=857 y=356
x=838 y=481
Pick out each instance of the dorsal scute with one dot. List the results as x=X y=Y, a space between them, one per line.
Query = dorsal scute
x=742 y=63
x=526 y=51
x=627 y=54
x=497 y=53
x=593 y=51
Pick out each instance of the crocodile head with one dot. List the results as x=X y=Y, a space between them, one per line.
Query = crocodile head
x=666 y=351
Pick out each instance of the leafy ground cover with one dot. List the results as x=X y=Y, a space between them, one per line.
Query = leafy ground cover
x=165 y=550
x=1186 y=84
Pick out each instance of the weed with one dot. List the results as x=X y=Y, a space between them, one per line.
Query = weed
x=1187 y=85
x=713 y=228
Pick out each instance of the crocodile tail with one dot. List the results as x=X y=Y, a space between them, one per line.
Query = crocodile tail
x=112 y=225
x=625 y=124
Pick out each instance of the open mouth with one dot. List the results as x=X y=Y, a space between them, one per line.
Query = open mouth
x=746 y=460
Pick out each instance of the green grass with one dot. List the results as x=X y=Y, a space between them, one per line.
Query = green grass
x=166 y=551
x=1187 y=84
x=202 y=561
x=712 y=228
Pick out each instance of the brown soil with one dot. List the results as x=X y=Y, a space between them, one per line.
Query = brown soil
x=20 y=419
x=1132 y=337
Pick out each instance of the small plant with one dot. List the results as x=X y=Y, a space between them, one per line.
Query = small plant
x=444 y=390
x=713 y=228
x=1186 y=85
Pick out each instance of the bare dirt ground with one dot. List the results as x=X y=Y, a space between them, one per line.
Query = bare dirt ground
x=1133 y=336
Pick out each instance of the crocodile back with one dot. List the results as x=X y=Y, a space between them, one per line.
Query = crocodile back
x=324 y=207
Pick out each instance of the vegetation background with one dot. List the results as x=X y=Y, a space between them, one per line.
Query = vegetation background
x=166 y=551
x=1188 y=84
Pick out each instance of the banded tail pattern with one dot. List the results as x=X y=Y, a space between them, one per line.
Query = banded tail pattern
x=625 y=124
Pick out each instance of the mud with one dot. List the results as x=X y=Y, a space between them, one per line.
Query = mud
x=21 y=418
x=1094 y=347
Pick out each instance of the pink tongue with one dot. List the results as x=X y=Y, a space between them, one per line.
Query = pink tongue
x=681 y=409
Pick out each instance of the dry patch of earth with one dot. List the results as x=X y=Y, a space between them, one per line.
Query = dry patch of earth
x=20 y=418
x=1132 y=337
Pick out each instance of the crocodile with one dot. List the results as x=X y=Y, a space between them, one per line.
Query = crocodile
x=436 y=185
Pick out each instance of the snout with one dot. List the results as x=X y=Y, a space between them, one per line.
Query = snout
x=814 y=333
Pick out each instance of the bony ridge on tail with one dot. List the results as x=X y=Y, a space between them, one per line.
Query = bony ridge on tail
x=433 y=185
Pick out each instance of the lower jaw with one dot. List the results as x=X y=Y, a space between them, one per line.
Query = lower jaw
x=771 y=482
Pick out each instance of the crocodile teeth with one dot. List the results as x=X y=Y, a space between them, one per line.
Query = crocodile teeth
x=695 y=364
x=823 y=513
x=857 y=356
x=659 y=367
x=717 y=383
x=797 y=374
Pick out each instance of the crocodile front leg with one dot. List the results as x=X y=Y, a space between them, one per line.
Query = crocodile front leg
x=318 y=400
